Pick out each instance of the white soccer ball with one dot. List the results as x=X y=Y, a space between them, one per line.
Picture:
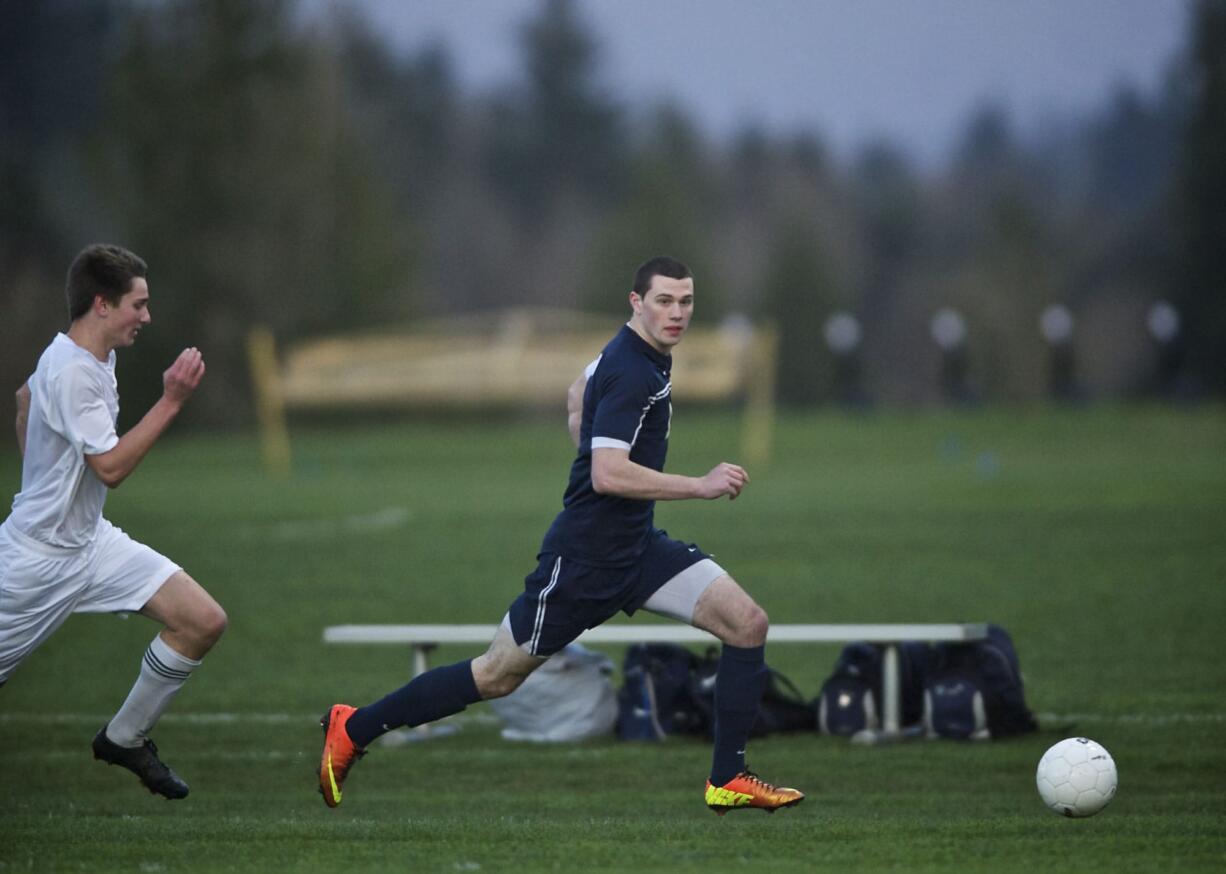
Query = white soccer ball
x=1077 y=777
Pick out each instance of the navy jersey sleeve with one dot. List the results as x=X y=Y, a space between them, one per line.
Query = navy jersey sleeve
x=621 y=398
x=626 y=405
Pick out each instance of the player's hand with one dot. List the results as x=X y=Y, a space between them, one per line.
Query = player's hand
x=182 y=377
x=724 y=479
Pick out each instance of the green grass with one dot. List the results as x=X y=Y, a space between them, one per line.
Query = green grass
x=1094 y=536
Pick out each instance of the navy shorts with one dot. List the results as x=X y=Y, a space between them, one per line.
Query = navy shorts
x=562 y=598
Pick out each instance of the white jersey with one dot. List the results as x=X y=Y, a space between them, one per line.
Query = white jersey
x=74 y=405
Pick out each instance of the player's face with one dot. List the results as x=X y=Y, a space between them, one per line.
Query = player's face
x=663 y=313
x=126 y=318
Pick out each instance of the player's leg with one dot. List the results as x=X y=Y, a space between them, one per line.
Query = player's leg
x=699 y=592
x=192 y=622
x=502 y=668
x=428 y=697
x=129 y=576
x=541 y=621
x=39 y=588
x=349 y=730
x=722 y=607
x=727 y=611
x=445 y=690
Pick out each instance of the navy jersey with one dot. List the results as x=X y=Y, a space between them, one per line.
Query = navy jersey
x=626 y=404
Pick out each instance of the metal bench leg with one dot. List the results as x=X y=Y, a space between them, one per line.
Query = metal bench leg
x=421 y=664
x=891 y=702
x=891 y=717
x=421 y=658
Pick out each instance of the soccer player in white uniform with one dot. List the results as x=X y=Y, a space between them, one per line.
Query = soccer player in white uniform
x=58 y=556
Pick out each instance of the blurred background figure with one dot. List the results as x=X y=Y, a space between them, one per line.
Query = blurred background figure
x=842 y=333
x=1162 y=323
x=1056 y=328
x=948 y=330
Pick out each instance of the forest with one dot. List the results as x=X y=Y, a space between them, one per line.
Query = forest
x=297 y=172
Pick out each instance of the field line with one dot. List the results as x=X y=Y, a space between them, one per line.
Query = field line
x=490 y=719
x=293 y=531
x=1139 y=718
x=186 y=718
x=205 y=718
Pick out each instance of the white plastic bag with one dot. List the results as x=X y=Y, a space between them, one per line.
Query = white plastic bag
x=568 y=698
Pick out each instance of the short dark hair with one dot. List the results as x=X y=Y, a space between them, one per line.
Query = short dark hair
x=661 y=265
x=101 y=269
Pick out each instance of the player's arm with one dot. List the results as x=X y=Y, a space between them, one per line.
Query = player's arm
x=178 y=383
x=613 y=473
x=23 y=416
x=574 y=407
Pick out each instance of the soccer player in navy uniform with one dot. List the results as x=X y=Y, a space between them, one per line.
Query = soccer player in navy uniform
x=603 y=555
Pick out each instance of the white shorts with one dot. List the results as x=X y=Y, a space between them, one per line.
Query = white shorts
x=41 y=585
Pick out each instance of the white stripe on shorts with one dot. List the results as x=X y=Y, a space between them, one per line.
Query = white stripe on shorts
x=535 y=640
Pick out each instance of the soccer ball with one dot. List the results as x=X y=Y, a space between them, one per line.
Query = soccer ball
x=1076 y=777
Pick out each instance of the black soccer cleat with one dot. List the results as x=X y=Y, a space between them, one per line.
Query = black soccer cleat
x=142 y=761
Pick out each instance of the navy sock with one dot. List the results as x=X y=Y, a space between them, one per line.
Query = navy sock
x=436 y=693
x=739 y=684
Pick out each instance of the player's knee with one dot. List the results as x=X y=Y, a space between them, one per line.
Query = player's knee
x=505 y=685
x=209 y=623
x=493 y=682
x=754 y=625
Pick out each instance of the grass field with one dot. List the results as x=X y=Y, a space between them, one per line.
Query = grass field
x=1095 y=536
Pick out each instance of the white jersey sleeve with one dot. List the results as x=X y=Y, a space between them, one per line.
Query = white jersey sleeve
x=78 y=408
x=74 y=405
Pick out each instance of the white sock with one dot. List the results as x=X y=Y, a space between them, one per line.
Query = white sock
x=162 y=673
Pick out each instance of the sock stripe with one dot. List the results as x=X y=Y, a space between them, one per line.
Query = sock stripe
x=162 y=669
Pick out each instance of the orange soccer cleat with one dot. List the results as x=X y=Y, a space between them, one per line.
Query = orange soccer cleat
x=746 y=790
x=339 y=754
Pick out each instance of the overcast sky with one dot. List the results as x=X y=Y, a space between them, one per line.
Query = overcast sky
x=909 y=71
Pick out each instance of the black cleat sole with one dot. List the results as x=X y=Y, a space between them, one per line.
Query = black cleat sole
x=142 y=761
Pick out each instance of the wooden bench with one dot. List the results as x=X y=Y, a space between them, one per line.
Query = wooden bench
x=423 y=638
x=516 y=358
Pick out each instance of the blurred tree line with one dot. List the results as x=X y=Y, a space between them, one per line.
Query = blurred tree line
x=297 y=172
